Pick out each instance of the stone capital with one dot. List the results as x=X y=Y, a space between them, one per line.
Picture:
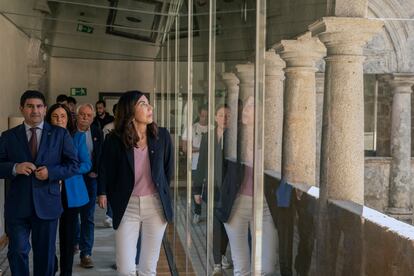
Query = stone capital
x=400 y=82
x=274 y=64
x=34 y=52
x=35 y=74
x=304 y=51
x=345 y=35
x=348 y=8
x=42 y=6
x=229 y=79
x=245 y=72
x=37 y=70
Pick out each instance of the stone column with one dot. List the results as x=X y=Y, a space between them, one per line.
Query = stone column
x=36 y=67
x=320 y=82
x=400 y=175
x=273 y=124
x=232 y=85
x=36 y=73
x=342 y=150
x=245 y=73
x=299 y=133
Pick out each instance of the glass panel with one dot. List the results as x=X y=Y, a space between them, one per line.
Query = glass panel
x=370 y=113
x=197 y=121
x=214 y=88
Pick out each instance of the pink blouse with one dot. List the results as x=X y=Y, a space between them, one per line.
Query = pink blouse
x=143 y=181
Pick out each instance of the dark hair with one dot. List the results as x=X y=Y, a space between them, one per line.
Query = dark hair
x=31 y=94
x=124 y=126
x=114 y=108
x=202 y=107
x=70 y=126
x=100 y=102
x=220 y=106
x=61 y=98
x=72 y=100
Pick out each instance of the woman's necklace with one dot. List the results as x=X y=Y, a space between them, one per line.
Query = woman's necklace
x=142 y=143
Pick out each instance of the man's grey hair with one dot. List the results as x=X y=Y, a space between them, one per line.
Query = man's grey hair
x=85 y=105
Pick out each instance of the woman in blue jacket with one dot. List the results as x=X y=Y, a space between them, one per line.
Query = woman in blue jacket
x=73 y=190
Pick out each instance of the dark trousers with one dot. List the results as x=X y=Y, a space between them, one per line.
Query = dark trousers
x=197 y=208
x=87 y=215
x=286 y=218
x=43 y=234
x=303 y=258
x=67 y=229
x=109 y=212
x=220 y=240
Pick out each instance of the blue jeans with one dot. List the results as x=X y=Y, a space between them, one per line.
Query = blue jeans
x=87 y=216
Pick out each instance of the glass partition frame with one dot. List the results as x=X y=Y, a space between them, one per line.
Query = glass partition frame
x=189 y=124
x=210 y=123
x=259 y=95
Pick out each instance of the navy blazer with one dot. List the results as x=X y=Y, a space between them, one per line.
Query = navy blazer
x=97 y=140
x=117 y=176
x=56 y=152
x=202 y=173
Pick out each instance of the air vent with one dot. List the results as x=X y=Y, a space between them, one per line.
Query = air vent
x=133 y=19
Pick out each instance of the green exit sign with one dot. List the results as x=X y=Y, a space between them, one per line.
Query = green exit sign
x=78 y=91
x=84 y=28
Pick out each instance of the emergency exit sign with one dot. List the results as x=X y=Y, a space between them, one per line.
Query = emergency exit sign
x=85 y=28
x=77 y=91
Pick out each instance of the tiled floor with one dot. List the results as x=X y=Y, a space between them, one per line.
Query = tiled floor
x=192 y=263
x=103 y=254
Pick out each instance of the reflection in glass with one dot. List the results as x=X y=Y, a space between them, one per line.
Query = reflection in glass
x=235 y=204
x=220 y=239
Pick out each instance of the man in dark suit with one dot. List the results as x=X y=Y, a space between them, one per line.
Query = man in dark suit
x=34 y=156
x=94 y=141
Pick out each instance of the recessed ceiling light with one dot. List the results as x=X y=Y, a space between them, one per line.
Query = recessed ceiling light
x=133 y=19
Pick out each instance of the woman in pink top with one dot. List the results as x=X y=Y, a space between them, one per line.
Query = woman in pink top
x=135 y=172
x=237 y=204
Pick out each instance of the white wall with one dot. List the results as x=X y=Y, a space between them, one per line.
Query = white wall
x=98 y=76
x=13 y=69
x=13 y=80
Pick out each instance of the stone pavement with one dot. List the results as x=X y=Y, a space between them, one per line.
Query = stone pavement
x=103 y=252
x=104 y=248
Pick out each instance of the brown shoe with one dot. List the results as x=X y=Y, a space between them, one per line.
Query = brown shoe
x=86 y=262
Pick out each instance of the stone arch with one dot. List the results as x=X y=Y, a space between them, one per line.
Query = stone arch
x=397 y=51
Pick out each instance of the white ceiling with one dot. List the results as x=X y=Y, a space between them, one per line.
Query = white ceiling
x=151 y=22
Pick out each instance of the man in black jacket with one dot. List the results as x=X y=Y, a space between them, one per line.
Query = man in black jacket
x=102 y=117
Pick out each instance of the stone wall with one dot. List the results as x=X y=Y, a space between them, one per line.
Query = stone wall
x=14 y=79
x=384 y=120
x=369 y=103
x=98 y=76
x=360 y=240
x=377 y=179
x=366 y=242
